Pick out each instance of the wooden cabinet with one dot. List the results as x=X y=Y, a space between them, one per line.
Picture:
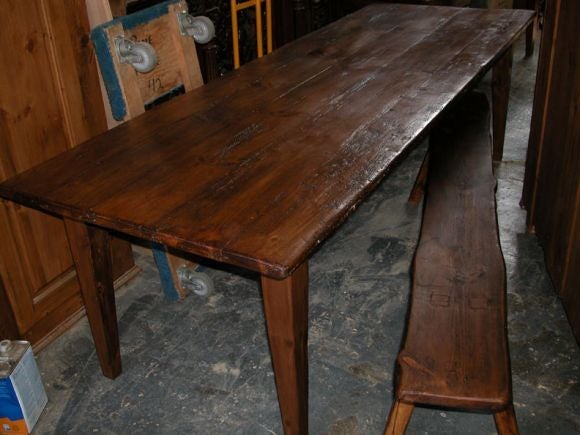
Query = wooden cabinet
x=552 y=181
x=50 y=101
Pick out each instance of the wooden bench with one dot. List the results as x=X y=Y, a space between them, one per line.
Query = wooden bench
x=455 y=352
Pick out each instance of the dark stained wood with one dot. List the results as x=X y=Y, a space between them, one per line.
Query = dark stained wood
x=459 y=282
x=531 y=30
x=552 y=180
x=302 y=17
x=8 y=327
x=500 y=86
x=332 y=106
x=286 y=310
x=91 y=252
x=207 y=55
x=283 y=22
x=418 y=189
x=539 y=110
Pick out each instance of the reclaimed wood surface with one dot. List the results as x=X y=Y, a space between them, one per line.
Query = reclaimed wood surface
x=256 y=169
x=459 y=282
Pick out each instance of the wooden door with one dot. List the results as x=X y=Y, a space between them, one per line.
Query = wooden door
x=49 y=101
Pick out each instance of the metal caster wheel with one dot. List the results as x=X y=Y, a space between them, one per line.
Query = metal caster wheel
x=198 y=282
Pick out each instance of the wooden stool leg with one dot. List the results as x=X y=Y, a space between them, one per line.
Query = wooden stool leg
x=505 y=422
x=418 y=189
x=399 y=418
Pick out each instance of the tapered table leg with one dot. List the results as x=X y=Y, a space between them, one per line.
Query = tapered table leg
x=418 y=190
x=286 y=311
x=91 y=253
x=532 y=5
x=500 y=83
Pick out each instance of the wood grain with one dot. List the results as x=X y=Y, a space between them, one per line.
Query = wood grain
x=91 y=251
x=458 y=282
x=292 y=142
x=42 y=115
x=286 y=311
x=552 y=180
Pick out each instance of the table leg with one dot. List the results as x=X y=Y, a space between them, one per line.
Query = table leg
x=500 y=84
x=91 y=253
x=532 y=5
x=418 y=190
x=286 y=311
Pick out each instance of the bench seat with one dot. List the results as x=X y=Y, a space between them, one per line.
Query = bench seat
x=455 y=351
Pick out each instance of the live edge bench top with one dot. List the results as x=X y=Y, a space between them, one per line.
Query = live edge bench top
x=257 y=168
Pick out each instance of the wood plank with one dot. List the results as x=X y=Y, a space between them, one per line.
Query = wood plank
x=210 y=103
x=555 y=203
x=458 y=277
x=552 y=180
x=349 y=113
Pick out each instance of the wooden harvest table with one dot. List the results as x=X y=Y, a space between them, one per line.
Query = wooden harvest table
x=258 y=168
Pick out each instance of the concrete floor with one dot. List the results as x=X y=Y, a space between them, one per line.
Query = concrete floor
x=202 y=365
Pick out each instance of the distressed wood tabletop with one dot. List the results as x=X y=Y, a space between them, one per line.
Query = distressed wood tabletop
x=259 y=167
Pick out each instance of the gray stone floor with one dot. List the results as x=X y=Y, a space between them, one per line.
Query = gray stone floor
x=202 y=365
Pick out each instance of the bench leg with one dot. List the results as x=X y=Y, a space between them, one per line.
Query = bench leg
x=399 y=418
x=418 y=189
x=286 y=311
x=500 y=84
x=505 y=422
x=91 y=253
